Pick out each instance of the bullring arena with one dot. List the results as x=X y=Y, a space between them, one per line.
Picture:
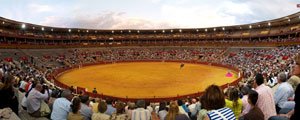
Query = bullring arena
x=147 y=79
x=192 y=72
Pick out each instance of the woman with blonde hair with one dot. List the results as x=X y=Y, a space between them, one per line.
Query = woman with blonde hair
x=173 y=113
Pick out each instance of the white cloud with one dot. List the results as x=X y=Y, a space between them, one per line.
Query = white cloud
x=236 y=8
x=39 y=8
x=155 y=1
x=196 y=16
x=106 y=20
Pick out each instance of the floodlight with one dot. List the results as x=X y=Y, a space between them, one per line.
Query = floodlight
x=23 y=26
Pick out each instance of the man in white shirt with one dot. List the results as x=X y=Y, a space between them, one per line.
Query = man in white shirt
x=34 y=100
x=140 y=113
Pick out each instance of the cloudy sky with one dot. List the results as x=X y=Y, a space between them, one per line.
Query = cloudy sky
x=145 y=14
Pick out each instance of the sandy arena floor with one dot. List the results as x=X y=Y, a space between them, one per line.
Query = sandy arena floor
x=147 y=79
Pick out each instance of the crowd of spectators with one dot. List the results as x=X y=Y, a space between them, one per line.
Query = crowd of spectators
x=268 y=61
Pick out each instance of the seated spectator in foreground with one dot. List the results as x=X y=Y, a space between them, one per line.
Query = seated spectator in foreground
x=265 y=97
x=53 y=97
x=198 y=105
x=214 y=103
x=148 y=106
x=255 y=113
x=246 y=105
x=8 y=94
x=182 y=107
x=295 y=78
x=233 y=101
x=85 y=110
x=192 y=108
x=61 y=106
x=283 y=92
x=173 y=113
x=102 y=107
x=296 y=112
x=94 y=104
x=120 y=113
x=110 y=109
x=140 y=113
x=35 y=100
x=293 y=114
x=75 y=107
x=130 y=108
x=203 y=112
x=162 y=110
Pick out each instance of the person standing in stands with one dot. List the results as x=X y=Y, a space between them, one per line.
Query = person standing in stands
x=265 y=97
